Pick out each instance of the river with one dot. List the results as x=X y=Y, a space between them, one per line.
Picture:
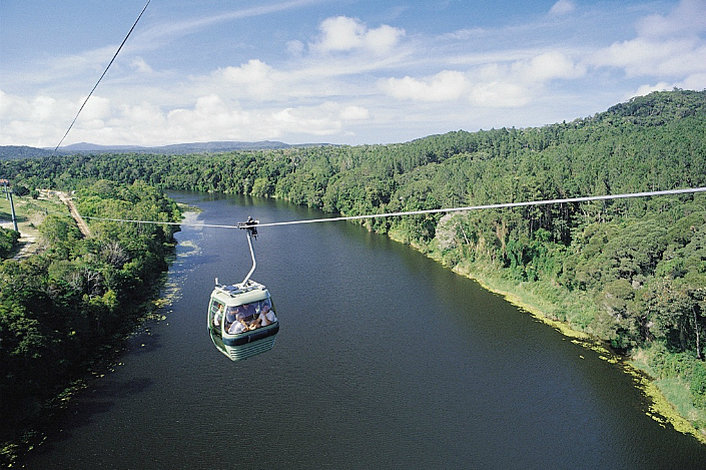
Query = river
x=384 y=359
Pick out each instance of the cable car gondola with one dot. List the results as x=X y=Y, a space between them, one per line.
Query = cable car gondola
x=241 y=317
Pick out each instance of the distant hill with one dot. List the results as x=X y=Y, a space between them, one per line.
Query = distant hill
x=9 y=152
x=176 y=149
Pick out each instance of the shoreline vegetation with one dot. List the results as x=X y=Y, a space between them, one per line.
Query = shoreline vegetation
x=661 y=409
x=629 y=273
x=70 y=306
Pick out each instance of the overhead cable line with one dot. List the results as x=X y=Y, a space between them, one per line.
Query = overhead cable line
x=101 y=77
x=543 y=202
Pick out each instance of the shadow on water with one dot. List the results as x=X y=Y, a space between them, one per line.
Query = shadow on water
x=101 y=393
x=98 y=399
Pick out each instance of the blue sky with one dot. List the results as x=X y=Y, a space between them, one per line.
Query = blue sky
x=339 y=71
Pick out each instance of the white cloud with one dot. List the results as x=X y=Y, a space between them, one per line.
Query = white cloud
x=495 y=84
x=302 y=120
x=96 y=108
x=464 y=34
x=547 y=66
x=32 y=121
x=562 y=7
x=378 y=81
x=666 y=45
x=213 y=117
x=139 y=64
x=252 y=72
x=341 y=33
x=253 y=79
x=695 y=81
x=647 y=89
x=444 y=86
x=322 y=120
x=42 y=108
x=500 y=94
x=646 y=56
x=689 y=17
x=382 y=39
x=354 y=113
x=143 y=115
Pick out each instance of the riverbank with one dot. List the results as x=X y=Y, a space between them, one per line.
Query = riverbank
x=661 y=409
x=98 y=291
x=106 y=360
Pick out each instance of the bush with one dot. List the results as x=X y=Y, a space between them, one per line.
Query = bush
x=8 y=239
x=698 y=385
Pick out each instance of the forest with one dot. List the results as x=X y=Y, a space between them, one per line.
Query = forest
x=630 y=272
x=67 y=308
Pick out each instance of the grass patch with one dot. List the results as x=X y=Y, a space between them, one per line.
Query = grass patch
x=676 y=391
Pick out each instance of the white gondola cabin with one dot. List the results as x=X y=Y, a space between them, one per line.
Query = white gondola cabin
x=241 y=317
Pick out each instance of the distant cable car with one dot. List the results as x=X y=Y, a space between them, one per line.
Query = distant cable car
x=241 y=317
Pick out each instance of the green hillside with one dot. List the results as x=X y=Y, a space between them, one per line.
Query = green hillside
x=630 y=272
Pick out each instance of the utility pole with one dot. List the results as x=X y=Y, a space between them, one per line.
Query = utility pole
x=8 y=194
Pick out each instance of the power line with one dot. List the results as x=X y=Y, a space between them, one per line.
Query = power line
x=101 y=77
x=427 y=211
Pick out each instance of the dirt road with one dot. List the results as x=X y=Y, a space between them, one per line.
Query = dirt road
x=82 y=226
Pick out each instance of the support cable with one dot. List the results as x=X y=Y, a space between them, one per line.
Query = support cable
x=101 y=78
x=427 y=211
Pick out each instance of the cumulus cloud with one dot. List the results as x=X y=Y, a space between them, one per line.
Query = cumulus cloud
x=350 y=74
x=666 y=45
x=341 y=33
x=143 y=115
x=97 y=108
x=687 y=18
x=41 y=108
x=302 y=120
x=213 y=117
x=322 y=120
x=496 y=84
x=443 y=86
x=645 y=56
x=647 y=89
x=208 y=114
x=254 y=79
x=500 y=94
x=31 y=121
x=547 y=66
x=695 y=81
x=354 y=113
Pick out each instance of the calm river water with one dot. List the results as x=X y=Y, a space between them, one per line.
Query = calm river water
x=384 y=360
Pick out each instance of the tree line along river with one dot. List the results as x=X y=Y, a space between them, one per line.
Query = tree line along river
x=384 y=360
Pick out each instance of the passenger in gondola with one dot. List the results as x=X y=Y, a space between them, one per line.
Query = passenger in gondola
x=218 y=317
x=266 y=317
x=239 y=325
x=231 y=315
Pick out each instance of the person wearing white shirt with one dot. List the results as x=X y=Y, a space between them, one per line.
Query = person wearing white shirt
x=266 y=317
x=239 y=325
